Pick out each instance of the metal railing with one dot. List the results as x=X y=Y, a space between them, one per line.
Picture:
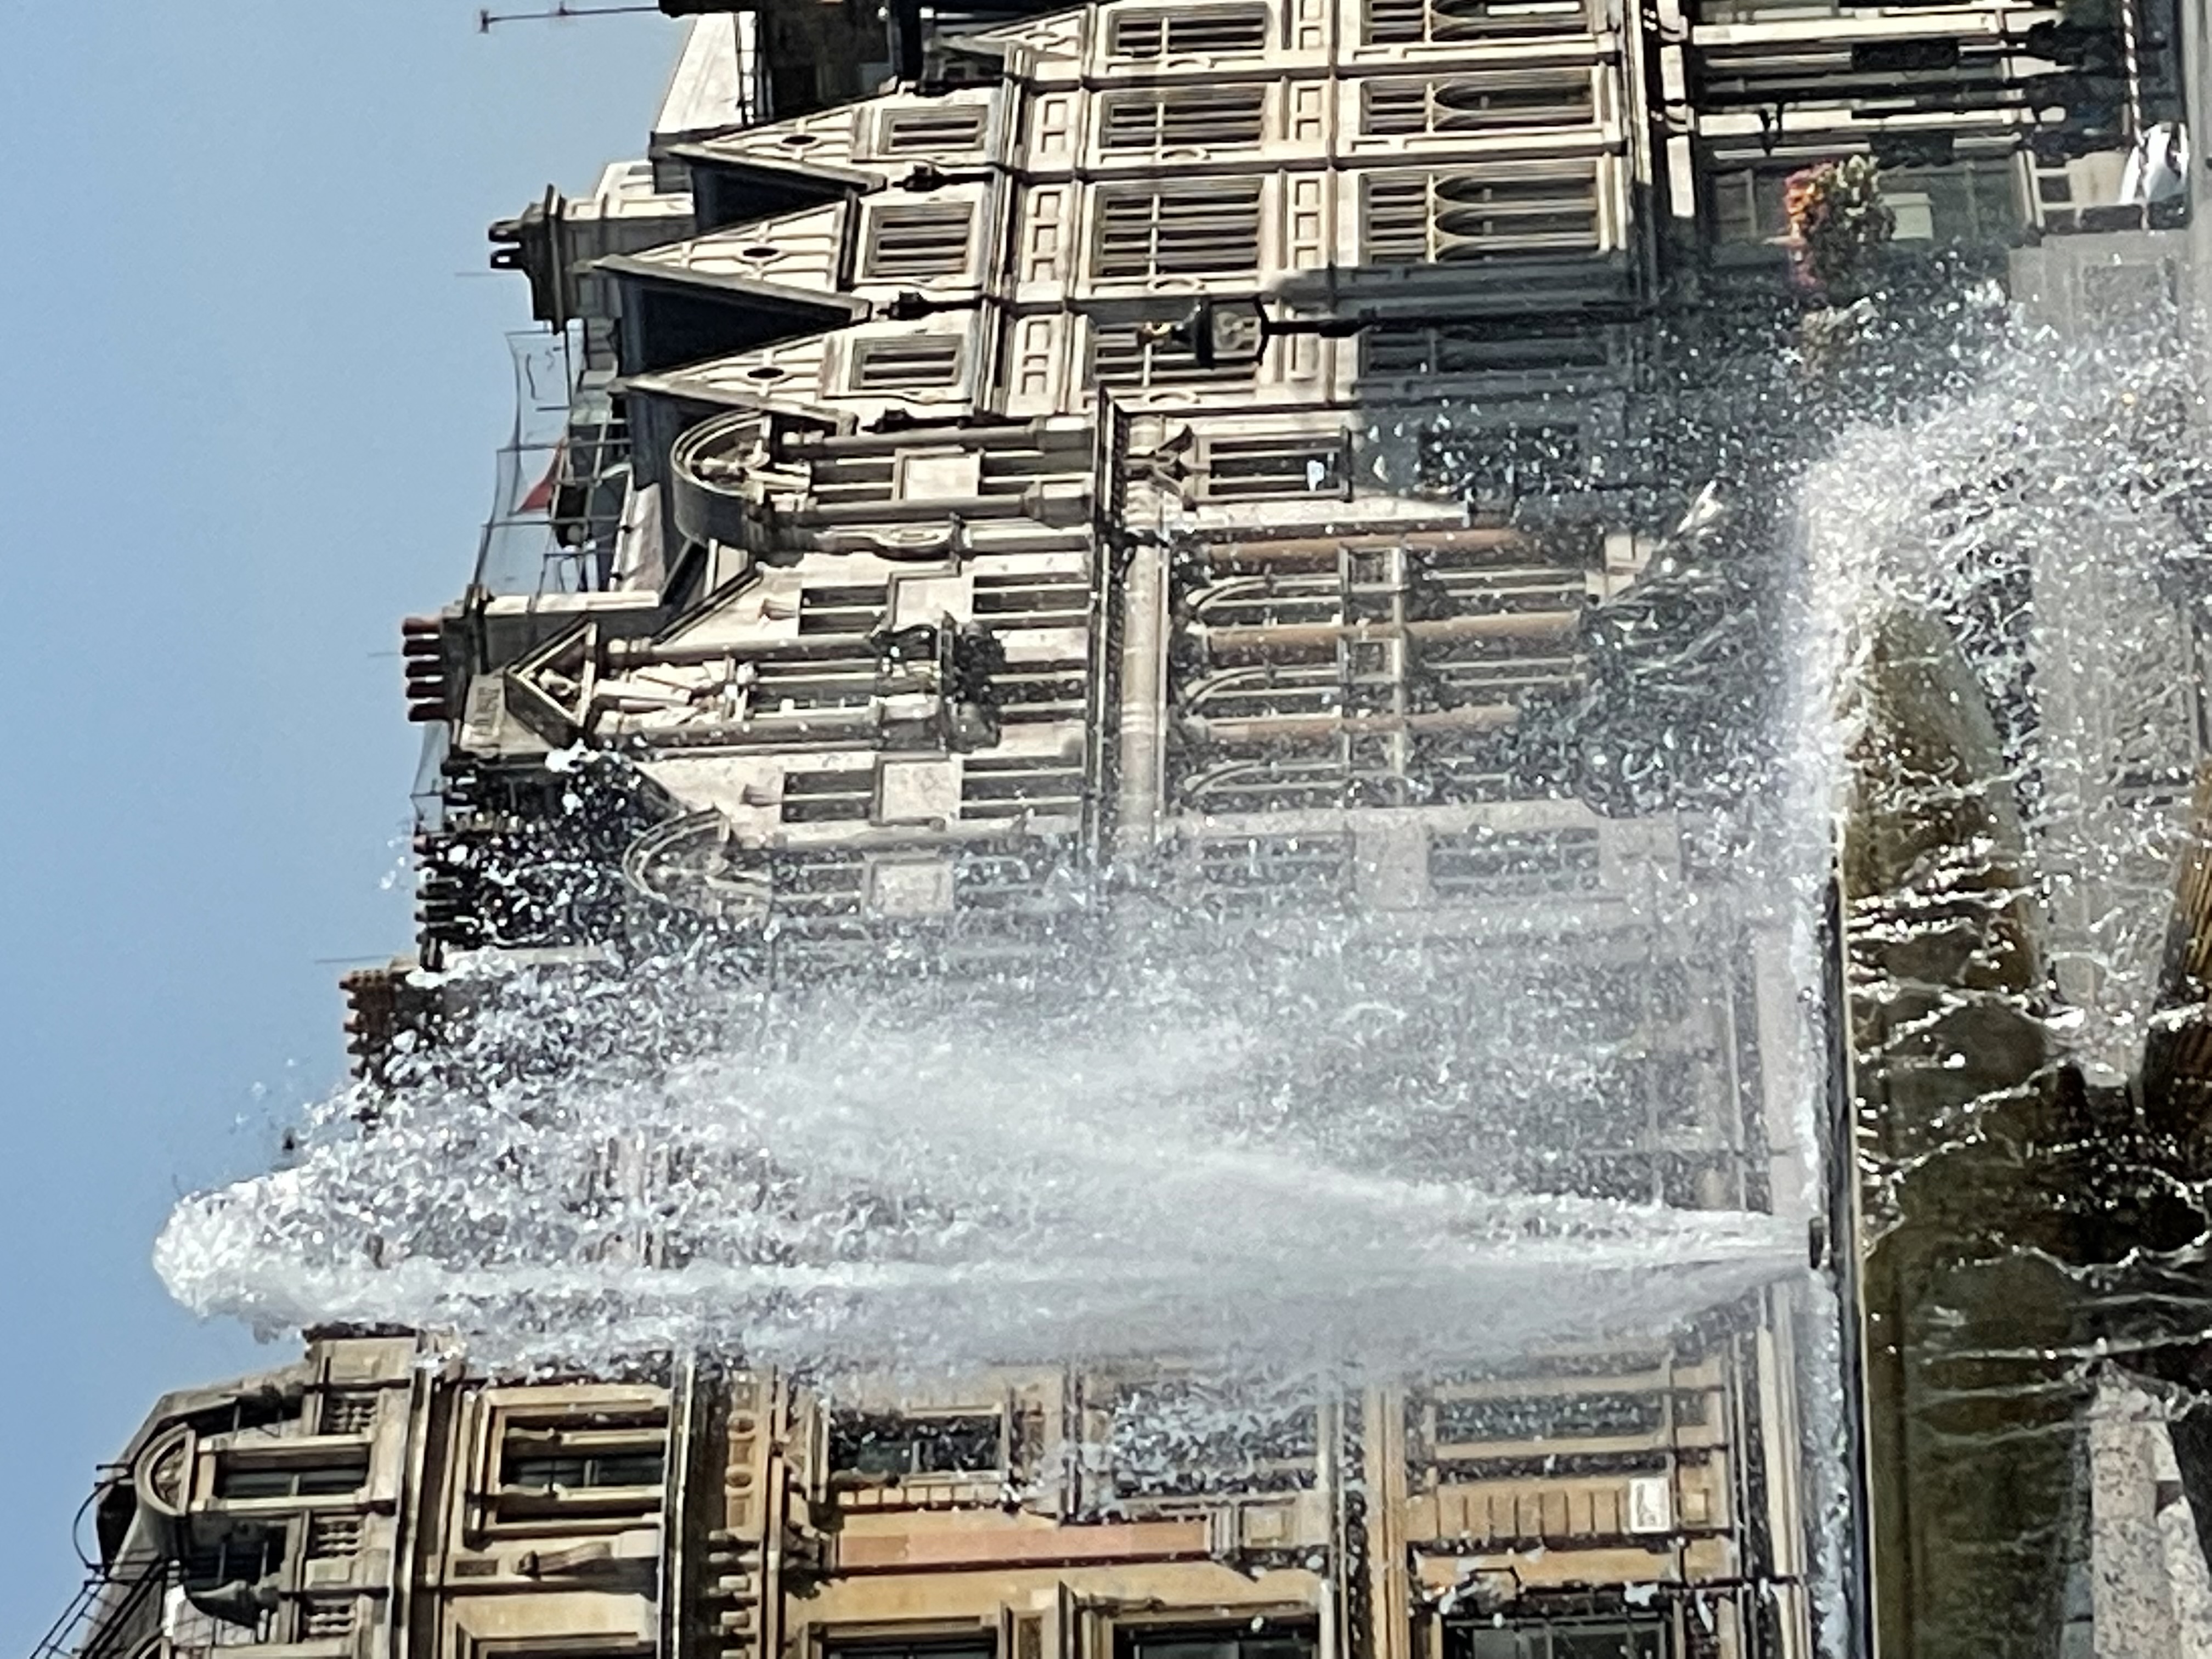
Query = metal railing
x=107 y=1617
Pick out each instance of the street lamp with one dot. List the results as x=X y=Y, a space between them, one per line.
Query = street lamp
x=1234 y=333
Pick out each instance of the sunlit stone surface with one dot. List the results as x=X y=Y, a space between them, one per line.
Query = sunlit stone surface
x=1470 y=954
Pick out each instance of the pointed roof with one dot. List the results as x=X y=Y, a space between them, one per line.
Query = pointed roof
x=733 y=291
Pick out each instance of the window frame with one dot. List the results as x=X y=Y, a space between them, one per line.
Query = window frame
x=1174 y=208
x=1497 y=243
x=596 y=1419
x=916 y=118
x=850 y=1474
x=920 y=264
x=1170 y=104
x=1333 y=449
x=1124 y=23
x=924 y=348
x=297 y=1456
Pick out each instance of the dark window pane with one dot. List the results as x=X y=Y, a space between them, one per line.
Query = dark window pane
x=579 y=1472
x=976 y=1647
x=336 y=1478
x=263 y=1480
x=1550 y=1417
x=884 y=1445
x=1234 y=1642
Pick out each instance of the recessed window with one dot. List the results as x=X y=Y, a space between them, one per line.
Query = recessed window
x=1549 y=208
x=913 y=243
x=839 y=609
x=1493 y=863
x=534 y=1471
x=977 y=1646
x=841 y=795
x=1218 y=1642
x=1178 y=1438
x=1045 y=600
x=1533 y=349
x=1575 y=1416
x=596 y=1466
x=1412 y=23
x=1171 y=117
x=1479 y=103
x=1195 y=30
x=896 y=1446
x=1202 y=225
x=932 y=129
x=238 y=1557
x=1637 y=1636
x=1134 y=356
x=906 y=362
x=241 y=1475
x=1245 y=469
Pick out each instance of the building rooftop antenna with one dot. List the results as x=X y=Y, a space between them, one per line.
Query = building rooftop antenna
x=487 y=20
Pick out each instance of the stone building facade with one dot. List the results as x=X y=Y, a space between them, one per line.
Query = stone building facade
x=377 y=1498
x=914 y=570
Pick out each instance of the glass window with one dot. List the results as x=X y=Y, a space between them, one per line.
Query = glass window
x=978 y=1646
x=1639 y=1637
x=238 y=1477
x=892 y=1446
x=1234 y=1642
x=554 y=1471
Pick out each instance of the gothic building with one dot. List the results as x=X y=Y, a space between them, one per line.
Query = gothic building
x=1133 y=460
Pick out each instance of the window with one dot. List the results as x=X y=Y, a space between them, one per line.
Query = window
x=890 y=1446
x=1422 y=21
x=836 y=797
x=1462 y=218
x=932 y=128
x=594 y=1464
x=1203 y=225
x=1233 y=1641
x=1197 y=29
x=978 y=1646
x=1746 y=204
x=1180 y=1437
x=912 y=243
x=1501 y=463
x=1534 y=350
x=1170 y=118
x=1975 y=200
x=1246 y=468
x=1644 y=1635
x=842 y=610
x=1480 y=103
x=252 y=1476
x=906 y=362
x=1576 y=1416
x=236 y=1557
x=526 y=1470
x=1013 y=785
x=1128 y=356
x=1046 y=599
x=1513 y=863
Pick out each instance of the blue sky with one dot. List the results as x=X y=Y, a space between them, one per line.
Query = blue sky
x=253 y=385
